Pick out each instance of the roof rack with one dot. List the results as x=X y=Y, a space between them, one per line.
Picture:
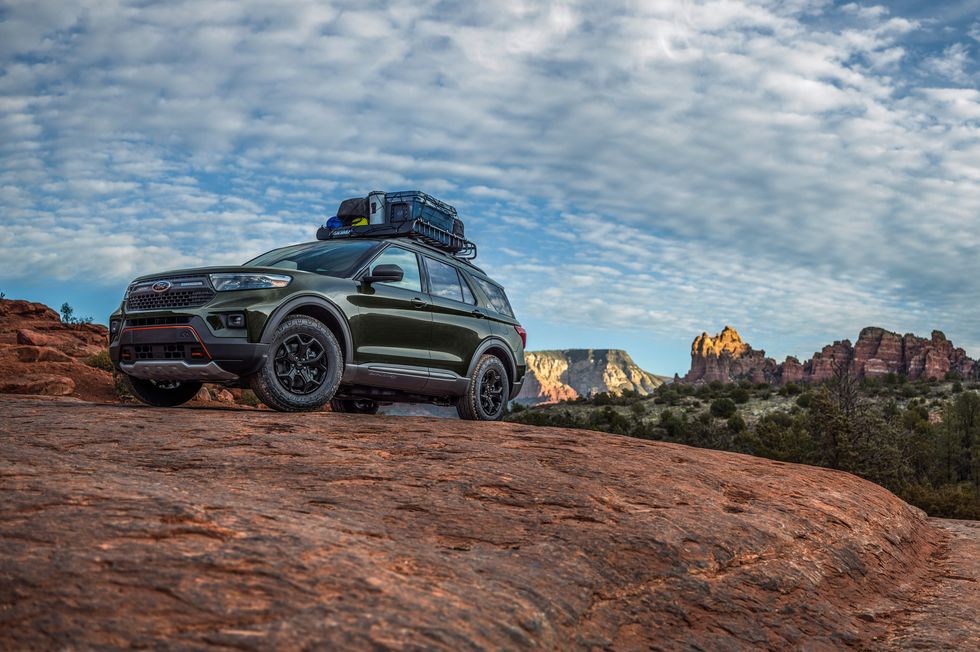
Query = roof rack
x=424 y=232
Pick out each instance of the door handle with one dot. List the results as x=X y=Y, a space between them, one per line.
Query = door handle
x=418 y=303
x=478 y=314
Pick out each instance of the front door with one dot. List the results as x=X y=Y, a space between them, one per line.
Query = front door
x=393 y=324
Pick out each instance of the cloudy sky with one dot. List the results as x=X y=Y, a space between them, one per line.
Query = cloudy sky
x=634 y=172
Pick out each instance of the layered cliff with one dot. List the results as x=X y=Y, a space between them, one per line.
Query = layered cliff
x=877 y=352
x=563 y=375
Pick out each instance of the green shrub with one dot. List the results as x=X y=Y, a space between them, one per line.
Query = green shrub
x=737 y=424
x=100 y=360
x=249 y=398
x=740 y=395
x=723 y=408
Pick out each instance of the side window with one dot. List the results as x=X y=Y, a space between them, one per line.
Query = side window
x=498 y=300
x=409 y=264
x=467 y=292
x=444 y=280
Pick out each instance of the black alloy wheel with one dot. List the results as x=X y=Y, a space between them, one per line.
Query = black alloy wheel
x=491 y=391
x=304 y=369
x=488 y=391
x=301 y=364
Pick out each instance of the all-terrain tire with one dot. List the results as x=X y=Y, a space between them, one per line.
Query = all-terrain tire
x=487 y=394
x=303 y=368
x=354 y=406
x=161 y=393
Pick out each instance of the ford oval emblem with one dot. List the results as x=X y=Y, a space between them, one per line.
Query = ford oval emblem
x=161 y=286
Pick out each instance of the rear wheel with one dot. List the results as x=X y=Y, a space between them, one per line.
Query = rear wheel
x=354 y=406
x=162 y=393
x=486 y=396
x=303 y=369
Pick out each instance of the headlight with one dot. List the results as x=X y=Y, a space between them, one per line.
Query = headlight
x=226 y=282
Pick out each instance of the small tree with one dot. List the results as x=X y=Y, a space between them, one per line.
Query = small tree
x=723 y=408
x=68 y=315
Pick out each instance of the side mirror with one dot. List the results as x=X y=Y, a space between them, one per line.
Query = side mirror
x=384 y=274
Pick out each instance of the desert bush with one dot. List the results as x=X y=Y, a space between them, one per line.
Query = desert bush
x=100 y=360
x=737 y=424
x=723 y=408
x=121 y=388
x=740 y=395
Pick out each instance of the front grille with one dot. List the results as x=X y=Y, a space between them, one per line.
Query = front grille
x=183 y=293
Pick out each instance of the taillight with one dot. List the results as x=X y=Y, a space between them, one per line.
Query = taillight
x=522 y=333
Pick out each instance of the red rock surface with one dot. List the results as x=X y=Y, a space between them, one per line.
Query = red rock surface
x=123 y=526
x=877 y=352
x=41 y=355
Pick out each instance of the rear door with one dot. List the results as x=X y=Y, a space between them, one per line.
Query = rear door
x=458 y=324
x=393 y=324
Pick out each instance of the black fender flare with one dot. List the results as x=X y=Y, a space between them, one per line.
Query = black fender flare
x=494 y=342
x=283 y=311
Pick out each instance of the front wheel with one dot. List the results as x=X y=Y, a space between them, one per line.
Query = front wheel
x=486 y=396
x=161 y=393
x=303 y=369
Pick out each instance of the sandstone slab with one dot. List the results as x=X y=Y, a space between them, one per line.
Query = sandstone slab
x=205 y=528
x=45 y=384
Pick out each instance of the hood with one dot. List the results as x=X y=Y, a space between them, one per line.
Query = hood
x=225 y=269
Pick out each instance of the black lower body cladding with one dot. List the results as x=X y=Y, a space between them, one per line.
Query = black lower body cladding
x=183 y=346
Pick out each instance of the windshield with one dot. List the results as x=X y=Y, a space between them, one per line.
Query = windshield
x=335 y=258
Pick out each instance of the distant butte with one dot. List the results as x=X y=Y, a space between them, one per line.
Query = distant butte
x=725 y=357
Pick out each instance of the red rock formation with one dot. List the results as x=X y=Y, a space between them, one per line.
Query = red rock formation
x=791 y=371
x=131 y=527
x=41 y=355
x=727 y=358
x=876 y=353
x=823 y=364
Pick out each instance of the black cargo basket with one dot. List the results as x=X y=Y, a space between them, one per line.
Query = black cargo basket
x=431 y=235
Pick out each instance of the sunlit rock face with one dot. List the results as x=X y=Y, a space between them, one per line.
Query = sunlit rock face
x=725 y=357
x=564 y=375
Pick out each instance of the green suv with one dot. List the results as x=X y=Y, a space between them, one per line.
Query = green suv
x=353 y=323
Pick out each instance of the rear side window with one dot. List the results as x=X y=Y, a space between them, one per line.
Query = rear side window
x=445 y=282
x=498 y=300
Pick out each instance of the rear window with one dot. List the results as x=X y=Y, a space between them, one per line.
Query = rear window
x=498 y=300
x=336 y=258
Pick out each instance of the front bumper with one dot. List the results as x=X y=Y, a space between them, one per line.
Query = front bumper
x=184 y=351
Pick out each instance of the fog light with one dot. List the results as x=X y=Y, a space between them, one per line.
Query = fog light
x=236 y=321
x=113 y=326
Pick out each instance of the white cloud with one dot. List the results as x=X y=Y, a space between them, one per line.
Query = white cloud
x=773 y=166
x=953 y=64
